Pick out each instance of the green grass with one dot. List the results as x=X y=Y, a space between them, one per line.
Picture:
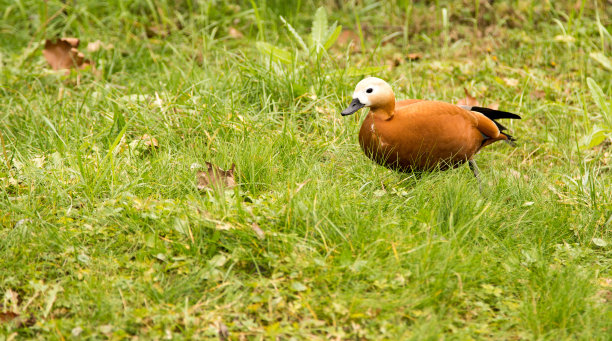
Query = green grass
x=100 y=240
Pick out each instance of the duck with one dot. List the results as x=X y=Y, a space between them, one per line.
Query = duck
x=416 y=135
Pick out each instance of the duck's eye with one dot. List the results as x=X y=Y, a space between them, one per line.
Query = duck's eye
x=369 y=90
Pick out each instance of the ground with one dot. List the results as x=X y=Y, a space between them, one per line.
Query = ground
x=104 y=233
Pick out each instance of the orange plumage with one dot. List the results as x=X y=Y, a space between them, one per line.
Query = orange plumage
x=422 y=135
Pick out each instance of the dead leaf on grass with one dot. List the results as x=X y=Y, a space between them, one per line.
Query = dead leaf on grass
x=258 y=231
x=511 y=81
x=234 y=33
x=414 y=56
x=157 y=31
x=97 y=45
x=300 y=185
x=8 y=316
x=399 y=58
x=215 y=177
x=63 y=54
x=223 y=332
x=149 y=141
x=538 y=94
x=468 y=100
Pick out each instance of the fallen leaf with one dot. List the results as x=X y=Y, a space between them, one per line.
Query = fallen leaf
x=300 y=185
x=258 y=231
x=63 y=54
x=106 y=329
x=149 y=141
x=605 y=282
x=76 y=331
x=223 y=332
x=97 y=45
x=379 y=192
x=223 y=226
x=414 y=56
x=234 y=33
x=468 y=100
x=599 y=242
x=511 y=82
x=538 y=94
x=565 y=38
x=7 y=316
x=157 y=30
x=298 y=286
x=39 y=161
x=215 y=177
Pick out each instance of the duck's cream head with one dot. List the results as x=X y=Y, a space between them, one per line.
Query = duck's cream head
x=374 y=93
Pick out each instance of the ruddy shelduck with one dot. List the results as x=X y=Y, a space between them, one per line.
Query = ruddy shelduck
x=421 y=135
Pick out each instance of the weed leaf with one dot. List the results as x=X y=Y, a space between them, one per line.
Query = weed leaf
x=275 y=53
x=602 y=59
x=334 y=33
x=319 y=28
x=600 y=100
x=295 y=35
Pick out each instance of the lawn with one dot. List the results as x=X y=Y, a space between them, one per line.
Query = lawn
x=108 y=232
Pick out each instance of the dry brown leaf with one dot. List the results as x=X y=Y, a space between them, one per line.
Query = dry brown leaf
x=157 y=31
x=63 y=54
x=223 y=331
x=7 y=316
x=149 y=141
x=468 y=100
x=258 y=231
x=97 y=45
x=215 y=177
x=300 y=185
x=414 y=56
x=538 y=94
x=223 y=226
x=234 y=33
x=511 y=82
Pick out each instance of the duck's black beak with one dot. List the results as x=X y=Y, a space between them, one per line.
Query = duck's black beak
x=353 y=107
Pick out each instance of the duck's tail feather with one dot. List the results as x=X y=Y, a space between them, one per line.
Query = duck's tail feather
x=493 y=115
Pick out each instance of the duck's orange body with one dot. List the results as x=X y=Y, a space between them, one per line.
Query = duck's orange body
x=418 y=135
x=423 y=135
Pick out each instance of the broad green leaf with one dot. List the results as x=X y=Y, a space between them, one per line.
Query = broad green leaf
x=298 y=286
x=600 y=100
x=319 y=28
x=600 y=242
x=602 y=59
x=333 y=35
x=276 y=53
x=296 y=36
x=596 y=137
